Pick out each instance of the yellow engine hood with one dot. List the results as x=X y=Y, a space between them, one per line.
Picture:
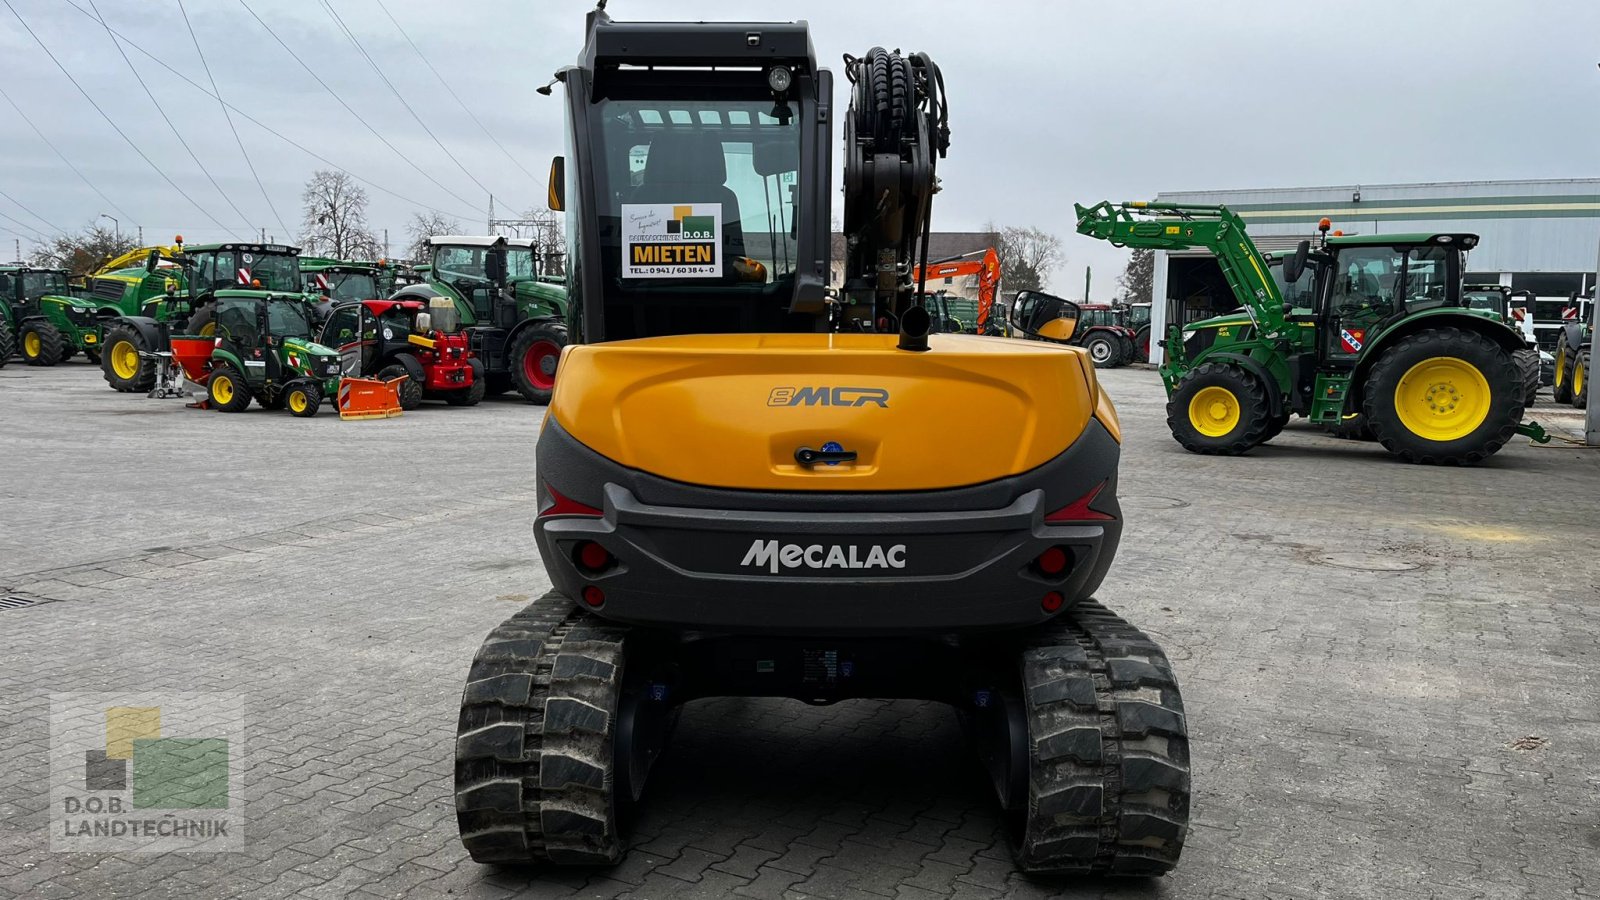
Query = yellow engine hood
x=730 y=410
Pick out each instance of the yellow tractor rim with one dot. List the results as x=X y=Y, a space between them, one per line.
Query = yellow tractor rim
x=222 y=388
x=1214 y=411
x=125 y=359
x=31 y=345
x=1442 y=399
x=1577 y=378
x=1561 y=368
x=209 y=329
x=298 y=401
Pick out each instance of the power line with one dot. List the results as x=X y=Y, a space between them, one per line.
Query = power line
x=109 y=120
x=338 y=20
x=53 y=226
x=218 y=92
x=75 y=169
x=247 y=117
x=429 y=63
x=38 y=236
x=168 y=119
x=350 y=109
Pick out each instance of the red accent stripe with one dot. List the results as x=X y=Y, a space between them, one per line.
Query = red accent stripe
x=1079 y=510
x=565 y=506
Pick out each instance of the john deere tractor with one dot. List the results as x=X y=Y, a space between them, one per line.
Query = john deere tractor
x=55 y=321
x=1573 y=350
x=1388 y=338
x=750 y=485
x=512 y=314
x=265 y=351
x=27 y=331
x=204 y=274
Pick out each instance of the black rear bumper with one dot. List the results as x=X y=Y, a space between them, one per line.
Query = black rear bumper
x=747 y=562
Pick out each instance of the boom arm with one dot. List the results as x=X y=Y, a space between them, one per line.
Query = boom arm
x=987 y=268
x=1180 y=226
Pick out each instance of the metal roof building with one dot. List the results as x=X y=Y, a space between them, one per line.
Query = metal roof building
x=1536 y=235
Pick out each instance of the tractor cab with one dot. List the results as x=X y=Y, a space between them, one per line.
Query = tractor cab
x=22 y=286
x=266 y=267
x=473 y=271
x=1367 y=284
x=265 y=350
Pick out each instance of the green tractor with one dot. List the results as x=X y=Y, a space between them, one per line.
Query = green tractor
x=335 y=282
x=208 y=273
x=1387 y=337
x=1498 y=302
x=1574 y=347
x=264 y=351
x=514 y=316
x=24 y=329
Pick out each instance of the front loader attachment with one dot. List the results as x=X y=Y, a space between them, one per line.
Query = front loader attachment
x=369 y=398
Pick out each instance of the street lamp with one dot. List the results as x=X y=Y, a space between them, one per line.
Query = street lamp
x=115 y=226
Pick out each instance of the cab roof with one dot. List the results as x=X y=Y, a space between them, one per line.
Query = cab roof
x=698 y=44
x=1461 y=239
x=467 y=240
x=252 y=248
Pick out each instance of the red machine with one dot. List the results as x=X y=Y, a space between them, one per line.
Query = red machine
x=386 y=339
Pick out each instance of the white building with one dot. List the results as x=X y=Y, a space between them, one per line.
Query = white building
x=1535 y=235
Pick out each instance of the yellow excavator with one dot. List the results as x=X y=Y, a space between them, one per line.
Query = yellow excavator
x=752 y=484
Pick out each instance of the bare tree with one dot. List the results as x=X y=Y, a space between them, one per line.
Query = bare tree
x=425 y=225
x=335 y=222
x=82 y=252
x=1027 y=256
x=1138 y=278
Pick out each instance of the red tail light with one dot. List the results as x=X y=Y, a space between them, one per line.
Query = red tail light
x=1079 y=511
x=1052 y=561
x=592 y=556
x=558 y=505
x=1052 y=601
x=594 y=596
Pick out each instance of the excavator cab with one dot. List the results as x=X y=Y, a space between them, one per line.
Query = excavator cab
x=748 y=485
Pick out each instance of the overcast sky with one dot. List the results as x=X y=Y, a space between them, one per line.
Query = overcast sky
x=1050 y=103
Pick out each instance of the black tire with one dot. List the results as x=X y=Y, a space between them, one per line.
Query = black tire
x=120 y=363
x=303 y=398
x=1129 y=351
x=93 y=356
x=1502 y=407
x=230 y=384
x=411 y=388
x=8 y=342
x=1561 y=387
x=1353 y=427
x=473 y=395
x=1249 y=402
x=1141 y=343
x=1275 y=426
x=41 y=343
x=200 y=320
x=1108 y=751
x=67 y=351
x=535 y=375
x=1528 y=363
x=1581 y=375
x=536 y=779
x=1104 y=350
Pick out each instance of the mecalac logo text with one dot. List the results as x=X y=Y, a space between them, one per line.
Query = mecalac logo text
x=775 y=556
x=828 y=396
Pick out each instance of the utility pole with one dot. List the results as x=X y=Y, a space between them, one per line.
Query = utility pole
x=386 y=243
x=491 y=214
x=1088 y=275
x=116 y=227
x=263 y=234
x=19 y=249
x=141 y=235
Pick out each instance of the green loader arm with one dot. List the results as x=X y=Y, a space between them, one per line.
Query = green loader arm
x=1181 y=226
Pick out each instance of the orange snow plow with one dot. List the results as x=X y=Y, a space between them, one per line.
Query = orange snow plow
x=369 y=398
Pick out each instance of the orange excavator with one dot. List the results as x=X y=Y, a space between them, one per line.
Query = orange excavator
x=987 y=267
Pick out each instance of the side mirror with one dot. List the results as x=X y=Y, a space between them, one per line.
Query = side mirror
x=558 y=184
x=1294 y=265
x=1045 y=316
x=494 y=265
x=153 y=260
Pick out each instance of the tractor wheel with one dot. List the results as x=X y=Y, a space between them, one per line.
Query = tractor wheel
x=121 y=364
x=1141 y=341
x=67 y=352
x=1528 y=362
x=1353 y=427
x=8 y=343
x=1105 y=350
x=1218 y=409
x=41 y=344
x=550 y=747
x=1275 y=426
x=1580 y=381
x=411 y=388
x=304 y=399
x=1130 y=350
x=1561 y=387
x=202 y=323
x=473 y=395
x=228 y=390
x=497 y=384
x=1444 y=396
x=1101 y=782
x=534 y=355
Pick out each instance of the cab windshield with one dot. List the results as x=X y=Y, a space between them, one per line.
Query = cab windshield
x=276 y=272
x=696 y=193
x=351 y=286
x=38 y=284
x=1485 y=300
x=288 y=318
x=459 y=262
x=520 y=263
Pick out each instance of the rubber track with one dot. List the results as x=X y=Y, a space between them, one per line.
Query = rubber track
x=533 y=747
x=1109 y=751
